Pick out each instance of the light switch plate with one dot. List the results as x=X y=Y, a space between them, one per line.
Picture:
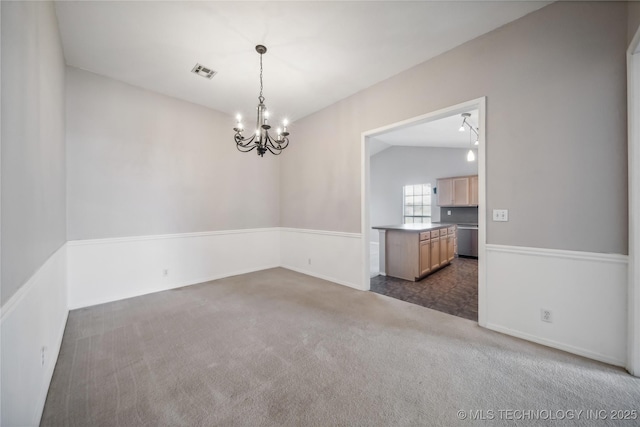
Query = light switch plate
x=501 y=215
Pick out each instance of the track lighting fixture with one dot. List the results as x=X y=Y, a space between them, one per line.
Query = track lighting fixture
x=471 y=156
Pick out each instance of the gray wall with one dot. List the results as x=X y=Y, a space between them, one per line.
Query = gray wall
x=33 y=148
x=141 y=163
x=634 y=19
x=395 y=167
x=555 y=82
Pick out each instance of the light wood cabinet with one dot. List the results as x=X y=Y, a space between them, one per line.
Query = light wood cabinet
x=473 y=190
x=461 y=191
x=425 y=257
x=413 y=255
x=435 y=253
x=445 y=192
x=444 y=254
x=402 y=255
x=458 y=191
x=451 y=251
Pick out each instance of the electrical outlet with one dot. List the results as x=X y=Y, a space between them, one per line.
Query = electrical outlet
x=309 y=261
x=43 y=352
x=448 y=212
x=501 y=215
x=546 y=315
x=165 y=272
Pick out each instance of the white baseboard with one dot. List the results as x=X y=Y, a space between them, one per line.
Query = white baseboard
x=556 y=344
x=34 y=318
x=575 y=286
x=107 y=270
x=333 y=256
x=321 y=276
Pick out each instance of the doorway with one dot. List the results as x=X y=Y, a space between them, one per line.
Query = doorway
x=432 y=289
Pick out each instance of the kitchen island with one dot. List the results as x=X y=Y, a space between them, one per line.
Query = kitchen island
x=413 y=251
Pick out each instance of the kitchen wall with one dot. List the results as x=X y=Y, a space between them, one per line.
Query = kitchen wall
x=397 y=166
x=555 y=82
x=459 y=215
x=141 y=163
x=33 y=223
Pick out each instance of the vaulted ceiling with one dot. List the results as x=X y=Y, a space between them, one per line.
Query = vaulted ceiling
x=318 y=52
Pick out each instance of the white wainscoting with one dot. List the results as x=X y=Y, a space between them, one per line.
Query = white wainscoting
x=586 y=292
x=107 y=270
x=329 y=255
x=34 y=318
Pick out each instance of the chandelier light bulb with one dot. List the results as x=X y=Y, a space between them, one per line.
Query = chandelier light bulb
x=461 y=129
x=239 y=118
x=285 y=122
x=477 y=142
x=470 y=156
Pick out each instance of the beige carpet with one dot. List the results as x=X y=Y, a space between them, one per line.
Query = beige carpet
x=279 y=348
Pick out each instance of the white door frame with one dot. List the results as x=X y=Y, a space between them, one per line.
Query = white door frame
x=480 y=105
x=633 y=113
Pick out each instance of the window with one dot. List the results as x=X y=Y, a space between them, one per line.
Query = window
x=417 y=203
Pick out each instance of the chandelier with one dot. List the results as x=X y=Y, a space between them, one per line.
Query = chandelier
x=261 y=139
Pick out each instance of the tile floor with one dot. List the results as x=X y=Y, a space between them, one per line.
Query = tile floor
x=452 y=290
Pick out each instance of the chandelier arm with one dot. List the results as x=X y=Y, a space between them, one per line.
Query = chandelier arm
x=245 y=142
x=275 y=153
x=246 y=150
x=278 y=145
x=269 y=141
x=284 y=143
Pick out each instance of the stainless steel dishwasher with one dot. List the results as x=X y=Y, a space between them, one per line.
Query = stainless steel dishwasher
x=468 y=240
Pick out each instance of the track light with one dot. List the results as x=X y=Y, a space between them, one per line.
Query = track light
x=465 y=121
x=471 y=156
x=465 y=116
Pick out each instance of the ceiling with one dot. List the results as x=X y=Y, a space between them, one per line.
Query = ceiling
x=437 y=133
x=318 y=52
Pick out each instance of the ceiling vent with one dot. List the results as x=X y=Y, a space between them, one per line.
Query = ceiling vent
x=203 y=71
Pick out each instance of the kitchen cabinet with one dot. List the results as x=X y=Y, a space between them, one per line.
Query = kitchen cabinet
x=445 y=192
x=444 y=242
x=451 y=244
x=413 y=251
x=435 y=253
x=458 y=191
x=425 y=257
x=473 y=190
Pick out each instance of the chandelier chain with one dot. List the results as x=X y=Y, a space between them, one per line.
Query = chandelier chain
x=261 y=98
